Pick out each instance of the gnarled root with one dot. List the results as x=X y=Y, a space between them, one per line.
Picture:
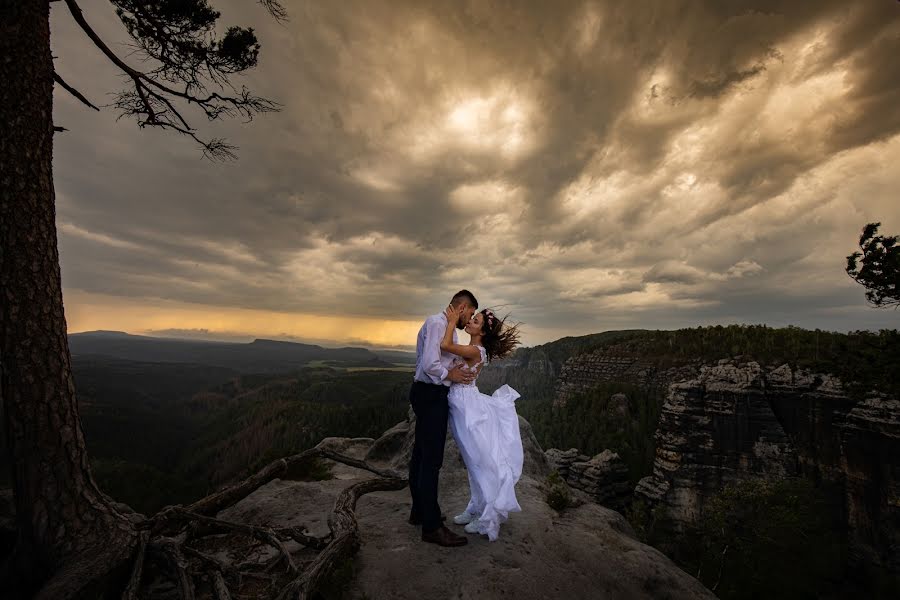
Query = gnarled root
x=345 y=530
x=168 y=535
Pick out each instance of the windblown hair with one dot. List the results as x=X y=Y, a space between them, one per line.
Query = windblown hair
x=464 y=295
x=498 y=337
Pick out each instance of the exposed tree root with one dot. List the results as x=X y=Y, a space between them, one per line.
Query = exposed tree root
x=131 y=590
x=212 y=526
x=298 y=534
x=168 y=537
x=345 y=530
x=220 y=588
x=169 y=540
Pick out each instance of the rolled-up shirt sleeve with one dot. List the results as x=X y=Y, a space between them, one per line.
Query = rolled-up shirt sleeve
x=431 y=353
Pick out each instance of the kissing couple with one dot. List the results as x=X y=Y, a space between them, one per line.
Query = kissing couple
x=486 y=428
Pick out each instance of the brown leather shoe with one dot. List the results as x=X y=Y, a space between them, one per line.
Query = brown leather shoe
x=417 y=520
x=444 y=537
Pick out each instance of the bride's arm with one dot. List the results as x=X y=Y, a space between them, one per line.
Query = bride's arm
x=447 y=345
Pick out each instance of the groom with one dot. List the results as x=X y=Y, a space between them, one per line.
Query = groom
x=428 y=396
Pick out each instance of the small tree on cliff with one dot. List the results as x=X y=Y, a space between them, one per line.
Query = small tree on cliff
x=877 y=267
x=70 y=532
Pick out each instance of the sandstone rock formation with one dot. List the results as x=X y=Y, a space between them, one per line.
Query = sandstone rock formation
x=561 y=460
x=870 y=462
x=604 y=478
x=714 y=430
x=584 y=552
x=583 y=372
x=738 y=420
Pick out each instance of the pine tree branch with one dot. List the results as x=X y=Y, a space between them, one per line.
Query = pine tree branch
x=73 y=91
x=257 y=104
x=149 y=103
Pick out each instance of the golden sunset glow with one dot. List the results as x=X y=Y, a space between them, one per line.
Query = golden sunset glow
x=90 y=312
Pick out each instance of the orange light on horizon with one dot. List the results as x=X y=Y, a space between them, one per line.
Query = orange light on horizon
x=89 y=312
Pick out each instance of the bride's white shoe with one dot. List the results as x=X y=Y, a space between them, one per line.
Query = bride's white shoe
x=472 y=527
x=464 y=518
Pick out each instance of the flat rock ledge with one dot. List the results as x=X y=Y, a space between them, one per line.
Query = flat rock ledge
x=587 y=551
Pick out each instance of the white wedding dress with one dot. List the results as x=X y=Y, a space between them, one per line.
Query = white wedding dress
x=486 y=429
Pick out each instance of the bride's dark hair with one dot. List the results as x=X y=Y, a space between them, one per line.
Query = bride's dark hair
x=498 y=337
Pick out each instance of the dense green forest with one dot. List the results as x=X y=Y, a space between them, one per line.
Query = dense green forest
x=241 y=424
x=164 y=433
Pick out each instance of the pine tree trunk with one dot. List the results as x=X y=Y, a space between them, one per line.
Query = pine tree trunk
x=68 y=530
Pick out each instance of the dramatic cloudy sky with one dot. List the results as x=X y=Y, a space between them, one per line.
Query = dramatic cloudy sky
x=586 y=165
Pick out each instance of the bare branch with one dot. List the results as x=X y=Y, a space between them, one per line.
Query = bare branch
x=58 y=128
x=275 y=9
x=73 y=91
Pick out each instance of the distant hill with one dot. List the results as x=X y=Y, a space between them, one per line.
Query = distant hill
x=397 y=356
x=258 y=356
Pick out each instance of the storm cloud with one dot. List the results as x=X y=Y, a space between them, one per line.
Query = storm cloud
x=584 y=165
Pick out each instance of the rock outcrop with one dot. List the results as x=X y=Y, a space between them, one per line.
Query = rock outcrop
x=588 y=551
x=738 y=420
x=714 y=430
x=870 y=461
x=604 y=478
x=561 y=460
x=584 y=372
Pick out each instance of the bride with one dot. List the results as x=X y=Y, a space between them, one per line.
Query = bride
x=486 y=428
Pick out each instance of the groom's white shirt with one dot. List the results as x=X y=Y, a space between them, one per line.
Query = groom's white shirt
x=432 y=364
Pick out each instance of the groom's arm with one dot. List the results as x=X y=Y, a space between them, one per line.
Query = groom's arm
x=431 y=354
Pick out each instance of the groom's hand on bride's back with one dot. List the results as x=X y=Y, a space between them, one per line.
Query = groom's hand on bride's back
x=457 y=375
